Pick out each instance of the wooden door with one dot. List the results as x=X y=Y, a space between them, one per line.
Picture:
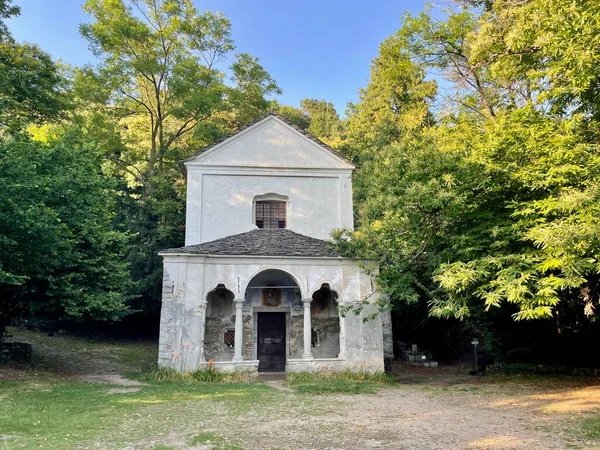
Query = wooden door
x=271 y=342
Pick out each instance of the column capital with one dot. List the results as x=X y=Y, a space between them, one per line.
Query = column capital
x=307 y=301
x=239 y=302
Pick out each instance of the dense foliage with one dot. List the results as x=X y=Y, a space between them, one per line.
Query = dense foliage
x=90 y=185
x=158 y=95
x=60 y=253
x=484 y=193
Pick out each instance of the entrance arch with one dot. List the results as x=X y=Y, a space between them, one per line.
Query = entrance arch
x=273 y=295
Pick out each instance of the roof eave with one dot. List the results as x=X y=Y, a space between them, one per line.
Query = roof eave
x=213 y=255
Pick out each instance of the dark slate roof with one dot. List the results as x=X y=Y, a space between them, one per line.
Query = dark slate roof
x=262 y=242
x=283 y=119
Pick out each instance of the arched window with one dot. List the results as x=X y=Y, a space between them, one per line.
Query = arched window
x=270 y=211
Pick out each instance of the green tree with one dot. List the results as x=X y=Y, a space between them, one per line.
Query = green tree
x=487 y=199
x=294 y=115
x=30 y=85
x=543 y=246
x=7 y=10
x=395 y=103
x=325 y=122
x=60 y=253
x=157 y=95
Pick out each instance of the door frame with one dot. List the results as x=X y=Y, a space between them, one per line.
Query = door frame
x=256 y=310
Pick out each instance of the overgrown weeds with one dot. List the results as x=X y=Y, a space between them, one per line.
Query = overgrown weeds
x=201 y=376
x=345 y=382
x=346 y=375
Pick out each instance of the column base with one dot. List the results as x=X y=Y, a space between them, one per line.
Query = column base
x=307 y=357
x=237 y=360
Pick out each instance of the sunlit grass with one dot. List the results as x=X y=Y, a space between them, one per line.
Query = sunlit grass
x=63 y=414
x=591 y=426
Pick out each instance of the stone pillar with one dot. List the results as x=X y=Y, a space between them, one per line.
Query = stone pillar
x=307 y=354
x=239 y=330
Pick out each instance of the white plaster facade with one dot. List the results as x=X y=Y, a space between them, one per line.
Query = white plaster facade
x=269 y=159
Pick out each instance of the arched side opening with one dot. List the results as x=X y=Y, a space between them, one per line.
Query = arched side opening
x=219 y=331
x=271 y=298
x=325 y=323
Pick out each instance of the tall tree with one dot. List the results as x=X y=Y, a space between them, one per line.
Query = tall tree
x=508 y=218
x=395 y=103
x=60 y=253
x=7 y=10
x=159 y=67
x=158 y=94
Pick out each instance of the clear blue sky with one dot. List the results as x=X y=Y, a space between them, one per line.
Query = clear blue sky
x=319 y=49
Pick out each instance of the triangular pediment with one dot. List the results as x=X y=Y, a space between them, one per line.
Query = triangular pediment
x=270 y=142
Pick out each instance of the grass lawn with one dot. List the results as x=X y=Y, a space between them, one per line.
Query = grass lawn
x=62 y=415
x=47 y=405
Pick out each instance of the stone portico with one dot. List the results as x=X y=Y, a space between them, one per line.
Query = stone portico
x=210 y=294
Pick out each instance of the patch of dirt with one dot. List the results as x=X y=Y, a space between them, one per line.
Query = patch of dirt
x=117 y=380
x=123 y=390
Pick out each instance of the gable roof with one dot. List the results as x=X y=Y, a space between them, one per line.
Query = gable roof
x=262 y=242
x=256 y=121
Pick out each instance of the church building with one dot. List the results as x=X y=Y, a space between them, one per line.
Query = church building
x=257 y=286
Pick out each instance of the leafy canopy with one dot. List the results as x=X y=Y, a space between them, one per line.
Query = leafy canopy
x=485 y=194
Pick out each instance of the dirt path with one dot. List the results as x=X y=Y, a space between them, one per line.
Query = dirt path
x=456 y=413
x=413 y=419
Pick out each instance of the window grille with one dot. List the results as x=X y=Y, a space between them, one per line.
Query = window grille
x=229 y=338
x=271 y=214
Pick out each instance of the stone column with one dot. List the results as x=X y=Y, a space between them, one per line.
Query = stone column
x=239 y=330
x=307 y=354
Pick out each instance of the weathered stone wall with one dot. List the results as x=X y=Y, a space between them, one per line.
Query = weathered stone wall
x=388 y=339
x=325 y=337
x=319 y=365
x=214 y=345
x=248 y=339
x=296 y=336
x=165 y=345
x=220 y=317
